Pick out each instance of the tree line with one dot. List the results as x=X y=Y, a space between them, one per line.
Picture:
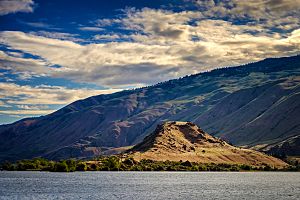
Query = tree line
x=115 y=163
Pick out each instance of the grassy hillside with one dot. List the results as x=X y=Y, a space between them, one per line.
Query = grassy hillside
x=184 y=141
x=248 y=105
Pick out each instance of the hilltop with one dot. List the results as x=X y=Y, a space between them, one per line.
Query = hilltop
x=185 y=141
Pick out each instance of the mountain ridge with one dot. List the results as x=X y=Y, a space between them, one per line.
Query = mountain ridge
x=243 y=94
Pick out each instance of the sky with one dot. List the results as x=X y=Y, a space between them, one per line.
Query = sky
x=55 y=52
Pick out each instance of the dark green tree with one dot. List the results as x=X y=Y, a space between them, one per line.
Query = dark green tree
x=81 y=167
x=112 y=163
x=61 y=167
x=71 y=165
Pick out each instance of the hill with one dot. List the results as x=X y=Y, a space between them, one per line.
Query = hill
x=250 y=105
x=185 y=141
x=288 y=147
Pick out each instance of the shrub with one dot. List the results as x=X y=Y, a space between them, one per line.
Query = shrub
x=81 y=167
x=187 y=164
x=8 y=166
x=61 y=167
x=195 y=168
x=202 y=168
x=26 y=165
x=112 y=163
x=50 y=166
x=94 y=167
x=129 y=161
x=71 y=165
x=267 y=168
x=245 y=167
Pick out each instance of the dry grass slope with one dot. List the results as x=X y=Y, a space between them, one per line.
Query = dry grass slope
x=185 y=141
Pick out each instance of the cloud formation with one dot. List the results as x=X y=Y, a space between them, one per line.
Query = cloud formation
x=45 y=94
x=40 y=25
x=90 y=28
x=36 y=100
x=160 y=45
x=28 y=113
x=24 y=68
x=281 y=14
x=58 y=35
x=14 y=6
x=109 y=37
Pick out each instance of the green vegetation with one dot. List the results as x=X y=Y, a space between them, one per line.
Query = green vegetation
x=81 y=166
x=40 y=164
x=61 y=167
x=115 y=163
x=111 y=163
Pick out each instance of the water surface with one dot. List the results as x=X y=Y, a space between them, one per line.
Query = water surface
x=150 y=185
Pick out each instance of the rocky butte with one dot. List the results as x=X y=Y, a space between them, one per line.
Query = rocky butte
x=185 y=141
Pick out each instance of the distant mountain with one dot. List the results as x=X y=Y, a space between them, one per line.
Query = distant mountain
x=249 y=105
x=288 y=147
x=175 y=141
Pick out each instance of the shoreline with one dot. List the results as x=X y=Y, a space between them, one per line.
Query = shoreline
x=114 y=163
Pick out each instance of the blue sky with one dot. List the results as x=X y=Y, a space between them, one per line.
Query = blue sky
x=55 y=52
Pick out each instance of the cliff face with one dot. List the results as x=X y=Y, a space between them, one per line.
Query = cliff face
x=248 y=105
x=185 y=141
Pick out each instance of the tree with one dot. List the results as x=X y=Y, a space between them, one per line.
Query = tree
x=71 y=165
x=26 y=165
x=81 y=167
x=61 y=167
x=112 y=163
x=8 y=166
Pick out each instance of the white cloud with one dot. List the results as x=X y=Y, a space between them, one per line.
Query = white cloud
x=24 y=68
x=106 y=22
x=38 y=24
x=99 y=63
x=30 y=101
x=263 y=9
x=282 y=14
x=4 y=105
x=164 y=45
x=107 y=37
x=45 y=95
x=14 y=6
x=26 y=112
x=58 y=35
x=90 y=28
x=41 y=25
x=33 y=107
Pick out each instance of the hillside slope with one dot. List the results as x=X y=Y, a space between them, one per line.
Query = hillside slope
x=248 y=105
x=290 y=146
x=177 y=141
